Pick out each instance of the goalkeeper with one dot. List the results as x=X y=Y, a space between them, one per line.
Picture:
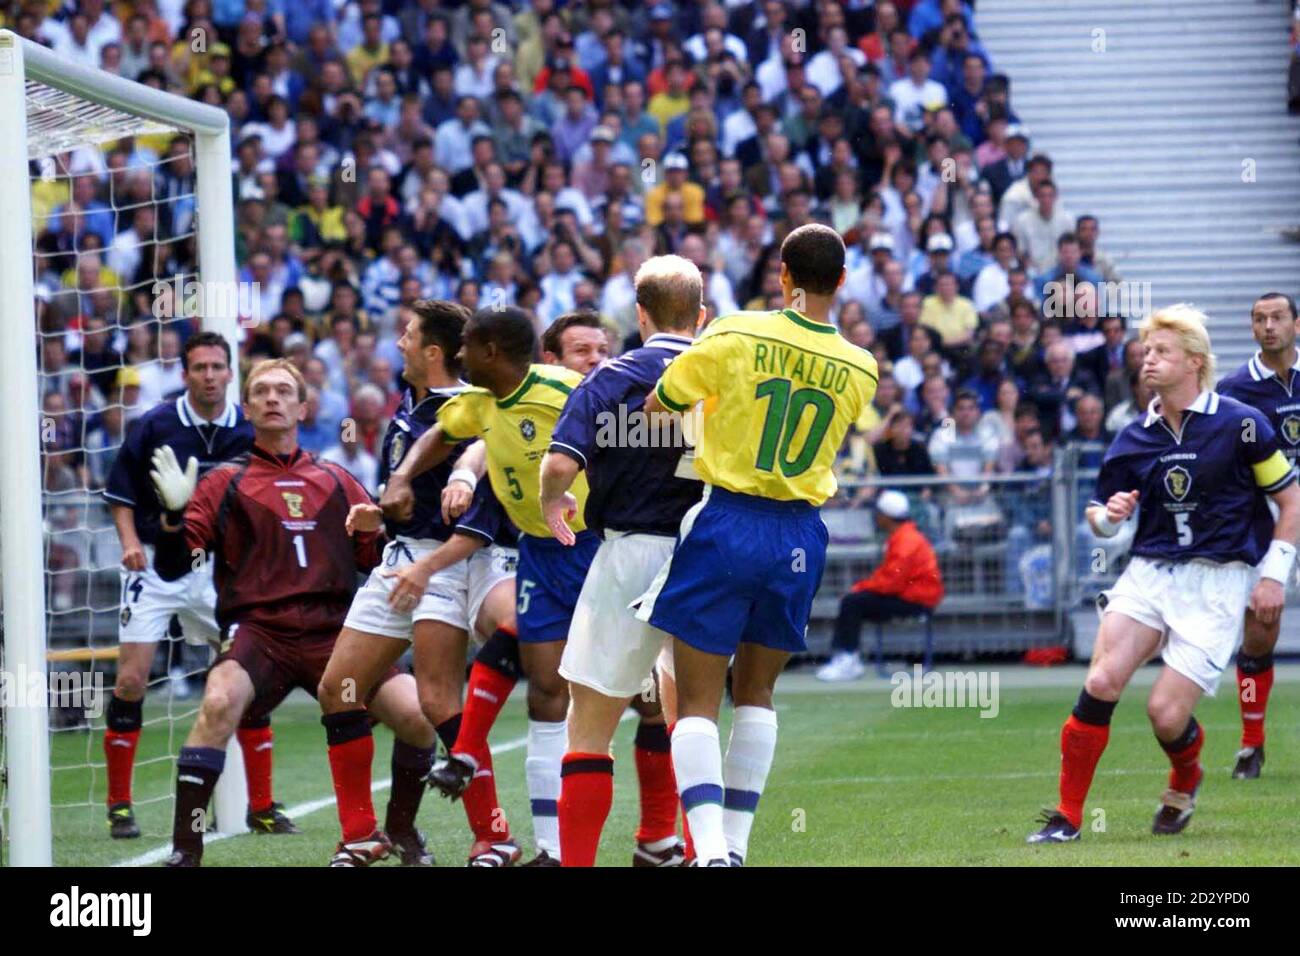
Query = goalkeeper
x=276 y=524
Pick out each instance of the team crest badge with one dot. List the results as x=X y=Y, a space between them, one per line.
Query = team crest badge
x=1291 y=429
x=293 y=502
x=1178 y=481
x=396 y=450
x=528 y=429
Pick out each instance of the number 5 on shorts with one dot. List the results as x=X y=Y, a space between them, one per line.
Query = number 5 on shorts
x=1184 y=529
x=525 y=598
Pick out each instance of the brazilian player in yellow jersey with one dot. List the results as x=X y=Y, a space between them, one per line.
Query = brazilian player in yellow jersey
x=780 y=391
x=513 y=408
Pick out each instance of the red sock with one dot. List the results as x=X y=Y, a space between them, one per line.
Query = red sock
x=1185 y=762
x=1252 y=693
x=586 y=794
x=119 y=754
x=485 y=816
x=351 y=750
x=256 y=744
x=487 y=693
x=1081 y=748
x=654 y=774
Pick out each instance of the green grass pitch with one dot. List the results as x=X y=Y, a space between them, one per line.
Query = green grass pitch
x=856 y=782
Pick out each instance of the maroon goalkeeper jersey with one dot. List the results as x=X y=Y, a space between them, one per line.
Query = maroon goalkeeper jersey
x=275 y=527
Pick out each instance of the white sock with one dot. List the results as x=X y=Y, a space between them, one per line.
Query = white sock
x=547 y=743
x=744 y=770
x=697 y=762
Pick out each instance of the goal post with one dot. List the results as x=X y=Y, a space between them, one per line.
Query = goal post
x=48 y=106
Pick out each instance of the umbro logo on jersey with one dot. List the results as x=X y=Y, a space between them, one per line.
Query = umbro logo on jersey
x=528 y=429
x=1178 y=481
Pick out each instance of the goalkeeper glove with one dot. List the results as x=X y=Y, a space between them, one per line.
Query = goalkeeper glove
x=174 y=486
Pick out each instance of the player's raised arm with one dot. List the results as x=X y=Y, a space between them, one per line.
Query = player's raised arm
x=187 y=520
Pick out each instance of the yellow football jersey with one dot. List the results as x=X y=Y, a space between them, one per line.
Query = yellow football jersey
x=787 y=389
x=517 y=430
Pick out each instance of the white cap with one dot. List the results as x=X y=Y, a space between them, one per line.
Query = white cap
x=892 y=504
x=939 y=242
x=880 y=240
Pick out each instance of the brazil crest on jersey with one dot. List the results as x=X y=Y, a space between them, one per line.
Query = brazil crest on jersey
x=786 y=389
x=517 y=430
x=1278 y=397
x=1201 y=489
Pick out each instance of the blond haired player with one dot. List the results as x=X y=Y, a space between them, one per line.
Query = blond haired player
x=1202 y=466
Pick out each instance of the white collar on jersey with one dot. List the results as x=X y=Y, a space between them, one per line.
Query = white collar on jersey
x=447 y=391
x=1207 y=403
x=190 y=417
x=1259 y=371
x=667 y=340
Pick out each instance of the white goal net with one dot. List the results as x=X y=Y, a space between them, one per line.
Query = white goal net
x=101 y=181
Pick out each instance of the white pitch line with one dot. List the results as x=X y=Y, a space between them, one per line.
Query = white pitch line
x=160 y=853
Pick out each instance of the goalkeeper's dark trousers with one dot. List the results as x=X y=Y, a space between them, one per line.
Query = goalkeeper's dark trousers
x=868 y=606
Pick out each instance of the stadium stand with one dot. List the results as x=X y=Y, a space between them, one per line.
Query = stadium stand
x=535 y=153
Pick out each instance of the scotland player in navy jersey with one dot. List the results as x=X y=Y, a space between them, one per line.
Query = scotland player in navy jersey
x=203 y=428
x=1271 y=383
x=376 y=632
x=486 y=541
x=1201 y=465
x=636 y=501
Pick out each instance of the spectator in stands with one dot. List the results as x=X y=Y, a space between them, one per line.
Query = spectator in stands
x=906 y=583
x=1132 y=407
x=1087 y=228
x=932 y=403
x=952 y=315
x=899 y=451
x=1107 y=357
x=1118 y=386
x=1037 y=230
x=961 y=450
x=351 y=455
x=914 y=93
x=1002 y=174
x=992 y=284
x=1069 y=270
x=1089 y=432
x=1059 y=388
x=1029 y=506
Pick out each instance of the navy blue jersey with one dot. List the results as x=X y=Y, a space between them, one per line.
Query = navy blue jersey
x=173 y=423
x=1201 y=490
x=633 y=480
x=409 y=422
x=486 y=519
x=1277 y=397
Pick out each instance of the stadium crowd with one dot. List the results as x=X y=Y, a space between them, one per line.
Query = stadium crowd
x=535 y=154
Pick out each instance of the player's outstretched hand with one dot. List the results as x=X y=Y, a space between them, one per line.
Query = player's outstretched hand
x=456 y=498
x=1266 y=600
x=1121 y=506
x=173 y=485
x=558 y=514
x=397 y=501
x=133 y=559
x=408 y=587
x=364 y=518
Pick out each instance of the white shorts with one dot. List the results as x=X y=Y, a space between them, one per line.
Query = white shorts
x=485 y=569
x=148 y=603
x=1198 y=606
x=444 y=598
x=608 y=649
